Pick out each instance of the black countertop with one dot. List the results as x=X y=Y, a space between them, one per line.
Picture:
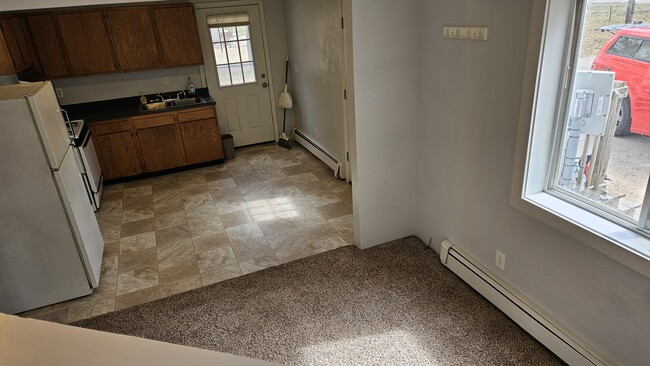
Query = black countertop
x=105 y=110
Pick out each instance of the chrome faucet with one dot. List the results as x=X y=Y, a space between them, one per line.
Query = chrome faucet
x=162 y=99
x=178 y=96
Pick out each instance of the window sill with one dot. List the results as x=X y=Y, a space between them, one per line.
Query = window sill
x=617 y=242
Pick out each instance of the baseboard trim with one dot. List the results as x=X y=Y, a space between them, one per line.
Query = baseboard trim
x=547 y=330
x=319 y=152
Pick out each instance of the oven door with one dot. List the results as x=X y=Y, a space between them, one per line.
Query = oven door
x=91 y=163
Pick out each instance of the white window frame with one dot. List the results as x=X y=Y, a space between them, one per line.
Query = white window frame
x=543 y=103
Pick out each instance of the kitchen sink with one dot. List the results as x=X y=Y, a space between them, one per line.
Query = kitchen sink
x=187 y=101
x=172 y=103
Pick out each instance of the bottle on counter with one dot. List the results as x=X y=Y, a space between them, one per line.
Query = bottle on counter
x=191 y=89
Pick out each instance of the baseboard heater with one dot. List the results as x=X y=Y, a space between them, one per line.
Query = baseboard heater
x=318 y=151
x=551 y=333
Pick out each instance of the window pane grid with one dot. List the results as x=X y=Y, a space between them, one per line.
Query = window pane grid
x=233 y=54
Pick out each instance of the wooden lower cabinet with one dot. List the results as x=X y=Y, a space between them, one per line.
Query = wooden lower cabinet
x=160 y=147
x=157 y=142
x=117 y=149
x=201 y=136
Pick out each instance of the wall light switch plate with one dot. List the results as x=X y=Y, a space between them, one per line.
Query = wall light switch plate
x=471 y=33
x=165 y=80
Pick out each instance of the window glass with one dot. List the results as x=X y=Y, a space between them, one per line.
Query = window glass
x=220 y=54
x=625 y=46
x=230 y=33
x=223 y=72
x=233 y=52
x=605 y=145
x=216 y=35
x=237 y=74
x=246 y=51
x=249 y=72
x=242 y=32
x=643 y=53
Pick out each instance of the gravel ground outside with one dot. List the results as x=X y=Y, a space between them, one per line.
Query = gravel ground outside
x=629 y=168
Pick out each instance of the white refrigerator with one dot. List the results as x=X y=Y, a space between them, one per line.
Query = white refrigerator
x=50 y=244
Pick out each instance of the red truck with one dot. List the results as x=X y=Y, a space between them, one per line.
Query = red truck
x=628 y=55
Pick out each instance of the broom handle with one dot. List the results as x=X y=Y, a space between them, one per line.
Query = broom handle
x=284 y=120
x=286 y=71
x=286 y=78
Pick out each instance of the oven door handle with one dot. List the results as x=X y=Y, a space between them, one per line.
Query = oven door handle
x=86 y=139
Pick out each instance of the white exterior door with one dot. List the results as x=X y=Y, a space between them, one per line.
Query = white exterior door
x=236 y=72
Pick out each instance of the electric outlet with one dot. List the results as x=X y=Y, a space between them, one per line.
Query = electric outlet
x=59 y=92
x=501 y=260
x=165 y=80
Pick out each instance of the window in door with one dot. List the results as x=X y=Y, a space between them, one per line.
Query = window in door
x=233 y=51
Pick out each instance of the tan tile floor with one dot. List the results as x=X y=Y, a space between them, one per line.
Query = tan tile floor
x=177 y=232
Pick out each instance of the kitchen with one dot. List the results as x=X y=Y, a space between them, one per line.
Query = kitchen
x=134 y=139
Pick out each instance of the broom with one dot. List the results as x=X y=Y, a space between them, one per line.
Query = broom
x=285 y=102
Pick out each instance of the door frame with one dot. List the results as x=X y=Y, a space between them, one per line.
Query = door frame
x=265 y=46
x=349 y=134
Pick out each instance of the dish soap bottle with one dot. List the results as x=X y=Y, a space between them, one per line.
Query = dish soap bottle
x=191 y=90
x=143 y=99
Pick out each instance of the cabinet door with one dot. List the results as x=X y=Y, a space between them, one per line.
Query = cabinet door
x=200 y=134
x=118 y=155
x=48 y=45
x=178 y=35
x=202 y=140
x=86 y=42
x=23 y=43
x=134 y=38
x=6 y=61
x=159 y=142
x=116 y=148
x=13 y=36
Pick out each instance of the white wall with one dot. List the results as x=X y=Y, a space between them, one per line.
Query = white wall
x=314 y=40
x=119 y=85
x=470 y=100
x=386 y=44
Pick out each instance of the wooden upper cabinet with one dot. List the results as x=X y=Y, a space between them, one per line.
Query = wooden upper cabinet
x=178 y=35
x=48 y=45
x=16 y=43
x=134 y=38
x=6 y=61
x=86 y=42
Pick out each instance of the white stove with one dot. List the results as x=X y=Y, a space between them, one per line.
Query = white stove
x=86 y=154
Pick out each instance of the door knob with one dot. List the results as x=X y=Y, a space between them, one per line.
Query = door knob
x=264 y=85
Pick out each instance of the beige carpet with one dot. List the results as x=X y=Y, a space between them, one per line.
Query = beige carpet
x=391 y=305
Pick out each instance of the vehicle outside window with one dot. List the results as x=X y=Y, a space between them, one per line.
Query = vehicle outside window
x=628 y=55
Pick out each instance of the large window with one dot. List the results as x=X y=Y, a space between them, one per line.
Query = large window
x=233 y=51
x=604 y=149
x=587 y=151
